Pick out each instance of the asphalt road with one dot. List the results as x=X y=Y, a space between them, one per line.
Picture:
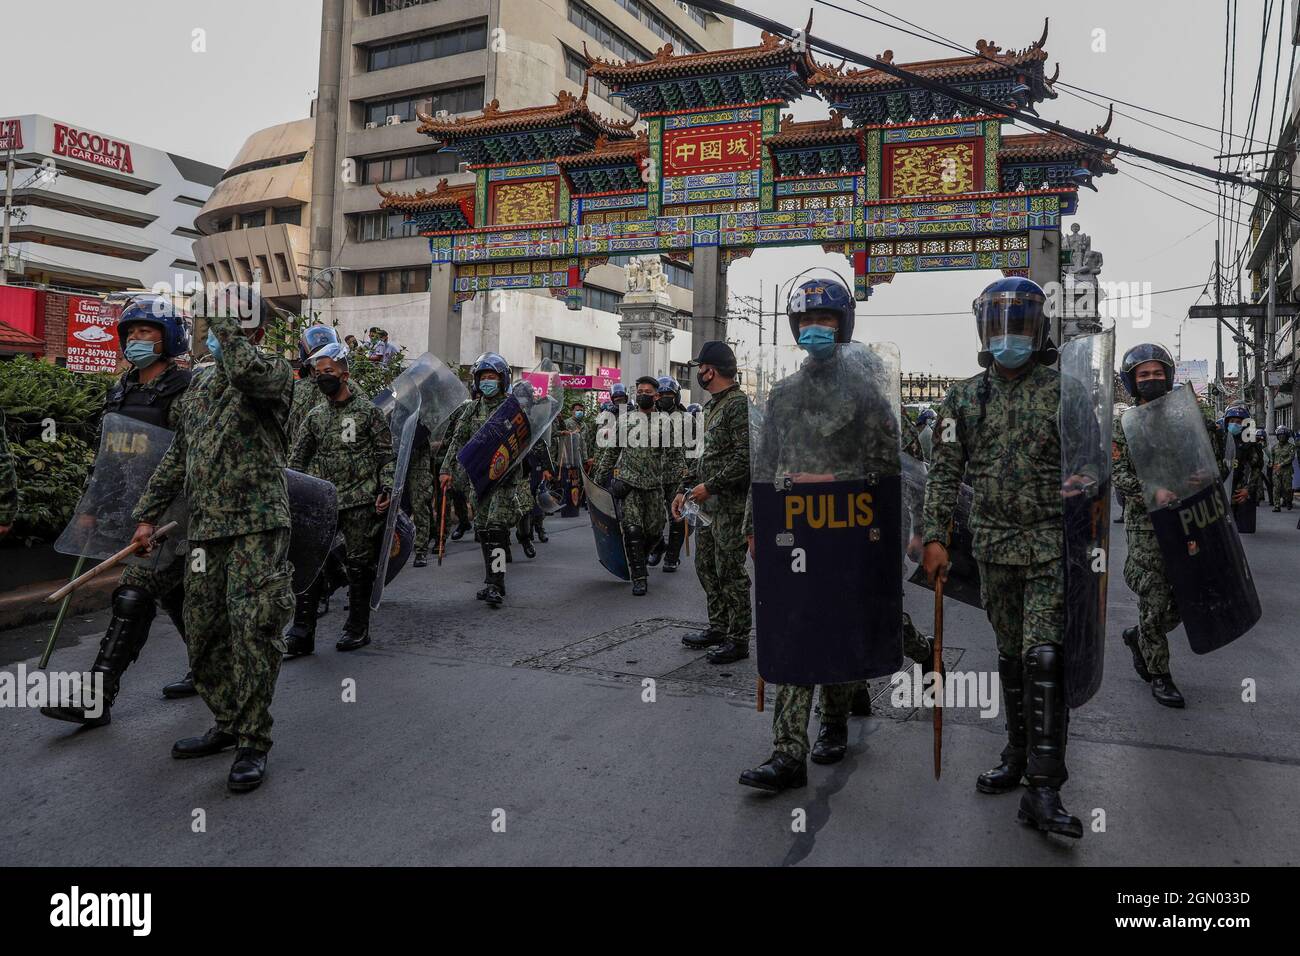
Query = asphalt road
x=535 y=716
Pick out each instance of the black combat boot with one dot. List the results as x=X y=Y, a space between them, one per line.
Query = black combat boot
x=300 y=639
x=1005 y=777
x=1047 y=720
x=1166 y=692
x=634 y=540
x=656 y=552
x=356 y=630
x=728 y=652
x=133 y=613
x=1139 y=662
x=248 y=771
x=493 y=541
x=781 y=772
x=213 y=741
x=673 y=551
x=458 y=532
x=706 y=638
x=539 y=528
x=524 y=534
x=174 y=605
x=832 y=743
x=421 y=558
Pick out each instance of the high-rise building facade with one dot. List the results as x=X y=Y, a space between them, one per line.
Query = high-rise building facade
x=385 y=62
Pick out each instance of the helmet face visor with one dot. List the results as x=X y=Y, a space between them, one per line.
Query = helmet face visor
x=1003 y=314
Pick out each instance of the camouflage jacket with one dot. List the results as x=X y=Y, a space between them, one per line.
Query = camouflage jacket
x=231 y=444
x=1126 y=481
x=723 y=465
x=1281 y=454
x=472 y=416
x=8 y=478
x=633 y=455
x=676 y=466
x=1247 y=462
x=588 y=432
x=1010 y=455
x=347 y=443
x=306 y=396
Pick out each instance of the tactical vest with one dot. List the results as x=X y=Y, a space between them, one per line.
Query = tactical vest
x=150 y=403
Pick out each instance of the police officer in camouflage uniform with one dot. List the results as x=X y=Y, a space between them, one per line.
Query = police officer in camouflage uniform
x=306 y=395
x=719 y=481
x=1246 y=460
x=669 y=405
x=1280 y=457
x=344 y=440
x=1006 y=441
x=420 y=481
x=151 y=336
x=457 y=490
x=228 y=459
x=1147 y=371
x=496 y=515
x=632 y=466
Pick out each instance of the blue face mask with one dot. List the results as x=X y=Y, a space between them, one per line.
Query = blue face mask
x=1011 y=351
x=140 y=354
x=1235 y=429
x=818 y=341
x=214 y=345
x=578 y=415
x=488 y=387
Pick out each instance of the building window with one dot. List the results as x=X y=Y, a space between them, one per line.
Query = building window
x=245 y=270
x=388 y=6
x=252 y=220
x=680 y=372
x=569 y=359
x=432 y=46
x=267 y=274
x=392 y=281
x=694 y=14
x=414 y=166
x=283 y=266
x=656 y=21
x=374 y=226
x=453 y=99
x=225 y=225
x=575 y=68
x=679 y=275
x=287 y=215
x=594 y=25
x=603 y=299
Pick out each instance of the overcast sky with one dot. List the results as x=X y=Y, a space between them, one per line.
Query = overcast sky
x=129 y=68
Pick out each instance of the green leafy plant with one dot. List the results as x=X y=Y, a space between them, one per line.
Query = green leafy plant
x=33 y=392
x=51 y=476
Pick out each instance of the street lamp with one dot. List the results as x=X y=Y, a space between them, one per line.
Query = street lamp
x=312 y=276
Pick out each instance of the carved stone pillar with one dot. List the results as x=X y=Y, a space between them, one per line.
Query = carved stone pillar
x=646 y=329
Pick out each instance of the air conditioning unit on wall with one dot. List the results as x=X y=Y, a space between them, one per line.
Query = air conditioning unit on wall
x=393 y=120
x=372 y=125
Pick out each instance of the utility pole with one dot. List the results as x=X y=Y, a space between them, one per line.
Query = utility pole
x=9 y=202
x=1241 y=348
x=1264 y=347
x=1218 y=331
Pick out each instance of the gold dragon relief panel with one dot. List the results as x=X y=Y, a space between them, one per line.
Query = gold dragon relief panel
x=935 y=169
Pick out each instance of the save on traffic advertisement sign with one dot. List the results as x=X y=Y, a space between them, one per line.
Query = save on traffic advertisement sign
x=92 y=339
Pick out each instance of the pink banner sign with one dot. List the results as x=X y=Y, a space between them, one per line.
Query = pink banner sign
x=613 y=374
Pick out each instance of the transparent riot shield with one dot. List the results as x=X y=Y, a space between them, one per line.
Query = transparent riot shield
x=426 y=393
x=518 y=423
x=1087 y=401
x=568 y=479
x=828 y=518
x=313 y=510
x=1190 y=515
x=101 y=525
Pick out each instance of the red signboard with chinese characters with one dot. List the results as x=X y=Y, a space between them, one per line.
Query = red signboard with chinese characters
x=92 y=334
x=11 y=134
x=92 y=148
x=711 y=149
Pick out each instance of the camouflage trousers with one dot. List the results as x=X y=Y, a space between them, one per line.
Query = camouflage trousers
x=794 y=701
x=1282 y=497
x=235 y=611
x=361 y=527
x=644 y=508
x=422 y=506
x=1025 y=603
x=1144 y=573
x=503 y=507
x=720 y=551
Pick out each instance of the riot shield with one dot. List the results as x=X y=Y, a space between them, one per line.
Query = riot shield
x=313 y=509
x=569 y=477
x=963 y=581
x=425 y=394
x=826 y=493
x=608 y=532
x=1189 y=512
x=1084 y=419
x=518 y=423
x=101 y=525
x=1245 y=514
